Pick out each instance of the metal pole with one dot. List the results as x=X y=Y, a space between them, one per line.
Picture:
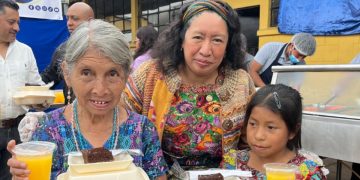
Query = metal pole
x=134 y=20
x=338 y=169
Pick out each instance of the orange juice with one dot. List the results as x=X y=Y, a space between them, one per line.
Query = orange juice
x=280 y=171
x=39 y=166
x=37 y=155
x=280 y=175
x=59 y=97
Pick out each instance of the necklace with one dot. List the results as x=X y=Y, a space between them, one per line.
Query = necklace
x=75 y=124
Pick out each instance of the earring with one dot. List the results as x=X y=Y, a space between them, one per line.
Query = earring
x=68 y=97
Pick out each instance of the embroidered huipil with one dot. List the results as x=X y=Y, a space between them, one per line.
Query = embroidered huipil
x=16 y=69
x=192 y=126
x=135 y=133
x=310 y=165
x=150 y=92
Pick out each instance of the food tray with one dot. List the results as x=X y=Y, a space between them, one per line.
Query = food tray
x=121 y=161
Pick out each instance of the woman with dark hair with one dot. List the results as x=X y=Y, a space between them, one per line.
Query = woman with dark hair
x=273 y=133
x=145 y=39
x=196 y=89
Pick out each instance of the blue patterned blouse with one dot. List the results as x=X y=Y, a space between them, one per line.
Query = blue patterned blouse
x=136 y=133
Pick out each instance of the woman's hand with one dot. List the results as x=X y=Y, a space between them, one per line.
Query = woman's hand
x=17 y=168
x=163 y=177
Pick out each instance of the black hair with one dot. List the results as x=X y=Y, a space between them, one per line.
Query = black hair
x=8 y=3
x=168 y=47
x=282 y=100
x=147 y=36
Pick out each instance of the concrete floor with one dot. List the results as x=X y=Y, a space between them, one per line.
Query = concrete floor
x=331 y=165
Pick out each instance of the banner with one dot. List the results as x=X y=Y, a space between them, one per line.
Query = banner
x=43 y=36
x=319 y=17
x=41 y=9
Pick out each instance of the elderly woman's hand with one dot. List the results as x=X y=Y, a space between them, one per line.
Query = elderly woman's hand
x=17 y=168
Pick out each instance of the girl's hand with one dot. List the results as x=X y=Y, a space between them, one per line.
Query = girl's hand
x=17 y=168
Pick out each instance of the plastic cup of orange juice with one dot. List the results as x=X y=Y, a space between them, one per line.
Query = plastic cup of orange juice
x=280 y=171
x=37 y=155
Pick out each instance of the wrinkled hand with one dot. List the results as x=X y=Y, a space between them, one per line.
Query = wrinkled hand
x=17 y=169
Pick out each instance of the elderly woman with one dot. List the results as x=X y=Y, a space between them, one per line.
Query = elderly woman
x=196 y=90
x=96 y=66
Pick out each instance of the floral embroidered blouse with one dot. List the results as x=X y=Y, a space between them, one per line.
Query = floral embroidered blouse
x=193 y=127
x=310 y=165
x=136 y=133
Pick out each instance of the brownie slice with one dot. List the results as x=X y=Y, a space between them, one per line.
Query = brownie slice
x=216 y=176
x=97 y=155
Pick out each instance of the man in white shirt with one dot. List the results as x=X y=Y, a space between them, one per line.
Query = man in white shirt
x=17 y=68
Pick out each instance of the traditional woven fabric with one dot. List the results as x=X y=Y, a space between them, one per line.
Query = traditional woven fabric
x=150 y=93
x=192 y=126
x=201 y=6
x=310 y=165
x=137 y=132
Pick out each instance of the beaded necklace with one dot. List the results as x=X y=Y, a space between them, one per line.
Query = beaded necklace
x=75 y=124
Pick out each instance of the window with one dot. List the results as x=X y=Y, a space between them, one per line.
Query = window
x=117 y=12
x=274 y=13
x=159 y=13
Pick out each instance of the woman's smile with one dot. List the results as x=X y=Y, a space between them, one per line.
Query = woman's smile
x=100 y=104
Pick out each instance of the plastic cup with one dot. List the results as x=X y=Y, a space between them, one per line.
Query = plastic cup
x=280 y=171
x=38 y=157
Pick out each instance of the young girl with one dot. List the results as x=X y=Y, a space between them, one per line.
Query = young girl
x=273 y=133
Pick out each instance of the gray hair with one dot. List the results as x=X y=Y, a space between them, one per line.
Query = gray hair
x=102 y=36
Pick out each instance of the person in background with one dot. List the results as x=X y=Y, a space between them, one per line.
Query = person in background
x=248 y=57
x=96 y=65
x=77 y=13
x=273 y=131
x=276 y=53
x=17 y=68
x=196 y=89
x=145 y=39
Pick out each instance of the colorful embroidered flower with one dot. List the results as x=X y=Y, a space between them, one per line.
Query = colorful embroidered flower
x=217 y=122
x=212 y=108
x=189 y=120
x=303 y=170
x=202 y=127
x=170 y=120
x=182 y=139
x=177 y=129
x=184 y=107
x=200 y=100
x=230 y=159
